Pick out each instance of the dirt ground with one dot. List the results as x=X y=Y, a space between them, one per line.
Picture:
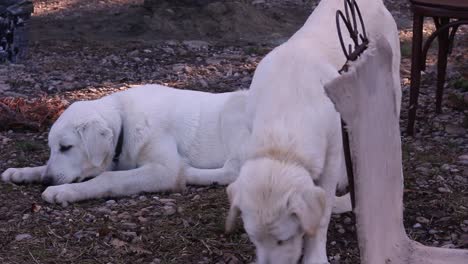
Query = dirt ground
x=85 y=49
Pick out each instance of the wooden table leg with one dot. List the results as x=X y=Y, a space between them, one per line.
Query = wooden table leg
x=442 y=64
x=415 y=70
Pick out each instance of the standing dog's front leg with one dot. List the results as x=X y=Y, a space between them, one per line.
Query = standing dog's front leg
x=315 y=251
x=23 y=175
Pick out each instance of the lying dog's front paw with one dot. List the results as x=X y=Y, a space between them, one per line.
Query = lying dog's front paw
x=61 y=194
x=13 y=175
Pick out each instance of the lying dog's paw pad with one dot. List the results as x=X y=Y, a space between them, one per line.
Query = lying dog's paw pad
x=62 y=194
x=12 y=175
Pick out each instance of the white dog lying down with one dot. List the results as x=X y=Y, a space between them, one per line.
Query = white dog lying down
x=168 y=136
x=286 y=187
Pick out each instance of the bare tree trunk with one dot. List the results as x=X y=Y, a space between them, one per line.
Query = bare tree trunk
x=365 y=97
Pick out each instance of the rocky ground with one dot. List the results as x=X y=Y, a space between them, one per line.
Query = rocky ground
x=72 y=58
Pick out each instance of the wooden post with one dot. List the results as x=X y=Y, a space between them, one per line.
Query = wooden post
x=365 y=98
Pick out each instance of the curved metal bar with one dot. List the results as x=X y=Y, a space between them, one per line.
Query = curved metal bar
x=431 y=38
x=350 y=19
x=452 y=38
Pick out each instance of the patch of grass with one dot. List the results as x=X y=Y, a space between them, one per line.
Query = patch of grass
x=29 y=146
x=457 y=102
x=405 y=48
x=461 y=83
x=258 y=50
x=465 y=121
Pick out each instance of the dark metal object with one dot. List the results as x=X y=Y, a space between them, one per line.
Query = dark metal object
x=442 y=11
x=352 y=53
x=119 y=146
x=13 y=28
x=359 y=39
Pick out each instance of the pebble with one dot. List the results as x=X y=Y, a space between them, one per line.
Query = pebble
x=21 y=237
x=444 y=190
x=445 y=167
x=169 y=210
x=347 y=220
x=417 y=225
x=111 y=202
x=155 y=261
x=422 y=220
x=167 y=200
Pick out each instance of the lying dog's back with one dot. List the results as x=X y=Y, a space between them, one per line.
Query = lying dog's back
x=194 y=118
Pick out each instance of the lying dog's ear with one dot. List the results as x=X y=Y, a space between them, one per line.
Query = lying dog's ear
x=234 y=209
x=308 y=205
x=97 y=141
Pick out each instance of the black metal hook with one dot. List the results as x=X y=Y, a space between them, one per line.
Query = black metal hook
x=350 y=19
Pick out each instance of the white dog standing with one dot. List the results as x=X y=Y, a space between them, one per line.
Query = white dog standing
x=286 y=187
x=146 y=139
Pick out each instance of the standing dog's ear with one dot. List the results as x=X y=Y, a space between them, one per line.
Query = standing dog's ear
x=308 y=205
x=234 y=209
x=97 y=141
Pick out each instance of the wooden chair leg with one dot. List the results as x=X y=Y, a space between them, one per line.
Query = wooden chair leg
x=442 y=64
x=416 y=64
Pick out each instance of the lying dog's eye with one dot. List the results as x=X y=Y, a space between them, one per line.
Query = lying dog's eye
x=280 y=242
x=65 y=148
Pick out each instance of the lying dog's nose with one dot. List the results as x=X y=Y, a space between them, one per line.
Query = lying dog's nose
x=48 y=181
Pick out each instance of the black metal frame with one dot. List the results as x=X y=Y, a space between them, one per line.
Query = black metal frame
x=359 y=39
x=352 y=53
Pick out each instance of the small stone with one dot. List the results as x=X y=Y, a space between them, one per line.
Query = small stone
x=445 y=167
x=347 y=221
x=167 y=200
x=422 y=220
x=21 y=237
x=341 y=231
x=130 y=225
x=111 y=202
x=460 y=179
x=444 y=190
x=440 y=178
x=196 y=197
x=455 y=130
x=417 y=225
x=178 y=67
x=432 y=232
x=169 y=210
x=203 y=83
x=196 y=44
x=156 y=261
x=423 y=170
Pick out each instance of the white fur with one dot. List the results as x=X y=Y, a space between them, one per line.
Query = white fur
x=286 y=187
x=170 y=135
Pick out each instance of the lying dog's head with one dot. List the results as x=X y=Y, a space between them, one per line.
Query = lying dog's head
x=81 y=145
x=279 y=204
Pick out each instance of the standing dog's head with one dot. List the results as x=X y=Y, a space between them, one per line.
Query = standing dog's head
x=279 y=204
x=81 y=145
